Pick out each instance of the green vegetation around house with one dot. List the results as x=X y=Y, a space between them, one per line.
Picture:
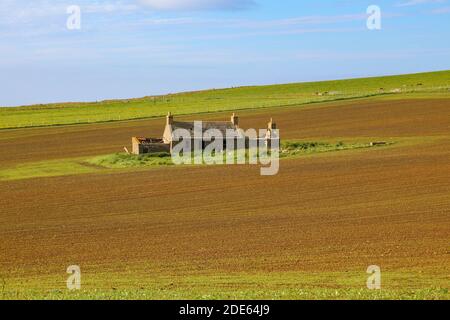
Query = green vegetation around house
x=224 y=100
x=123 y=160
x=106 y=163
x=288 y=149
x=291 y=149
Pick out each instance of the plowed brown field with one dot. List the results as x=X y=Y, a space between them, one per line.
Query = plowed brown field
x=331 y=213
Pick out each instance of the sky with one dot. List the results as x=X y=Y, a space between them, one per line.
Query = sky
x=135 y=48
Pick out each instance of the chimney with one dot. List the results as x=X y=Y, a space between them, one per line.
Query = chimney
x=169 y=118
x=272 y=125
x=235 y=120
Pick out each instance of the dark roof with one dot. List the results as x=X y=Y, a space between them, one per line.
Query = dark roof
x=222 y=126
x=146 y=141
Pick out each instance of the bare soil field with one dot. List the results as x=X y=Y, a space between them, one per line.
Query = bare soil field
x=324 y=215
x=370 y=118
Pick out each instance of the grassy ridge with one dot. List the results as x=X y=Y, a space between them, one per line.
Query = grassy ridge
x=221 y=100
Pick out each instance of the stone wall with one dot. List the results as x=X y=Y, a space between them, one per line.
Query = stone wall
x=154 y=148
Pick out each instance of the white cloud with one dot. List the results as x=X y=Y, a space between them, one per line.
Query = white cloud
x=20 y=11
x=108 y=6
x=443 y=10
x=261 y=24
x=198 y=4
x=271 y=33
x=418 y=2
x=306 y=20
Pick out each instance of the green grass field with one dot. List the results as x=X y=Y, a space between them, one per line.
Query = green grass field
x=224 y=99
x=273 y=286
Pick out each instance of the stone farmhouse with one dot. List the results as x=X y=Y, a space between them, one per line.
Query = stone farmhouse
x=229 y=129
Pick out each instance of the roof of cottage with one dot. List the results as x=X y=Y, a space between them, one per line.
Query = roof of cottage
x=147 y=141
x=221 y=126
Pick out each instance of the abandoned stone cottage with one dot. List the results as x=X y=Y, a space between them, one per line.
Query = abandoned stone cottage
x=229 y=130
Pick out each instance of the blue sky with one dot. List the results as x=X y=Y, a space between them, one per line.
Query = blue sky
x=133 y=48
